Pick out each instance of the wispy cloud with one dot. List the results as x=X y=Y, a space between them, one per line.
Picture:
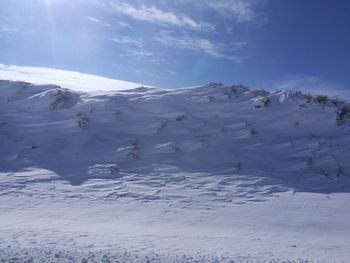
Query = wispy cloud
x=123 y=24
x=124 y=40
x=240 y=11
x=98 y=21
x=132 y=46
x=139 y=53
x=155 y=15
x=197 y=44
x=6 y=27
x=191 y=43
x=171 y=72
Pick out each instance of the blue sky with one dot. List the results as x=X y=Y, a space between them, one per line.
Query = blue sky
x=176 y=43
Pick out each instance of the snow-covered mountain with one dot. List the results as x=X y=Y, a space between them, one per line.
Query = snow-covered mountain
x=213 y=173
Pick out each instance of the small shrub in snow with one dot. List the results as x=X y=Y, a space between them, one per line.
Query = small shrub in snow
x=175 y=148
x=135 y=151
x=317 y=99
x=163 y=123
x=308 y=98
x=230 y=92
x=181 y=118
x=233 y=91
x=205 y=140
x=223 y=130
x=325 y=174
x=342 y=114
x=313 y=136
x=83 y=120
x=337 y=102
x=238 y=166
x=61 y=99
x=215 y=84
x=259 y=93
x=322 y=100
x=302 y=105
x=211 y=98
x=294 y=94
x=309 y=161
x=340 y=171
x=2 y=124
x=252 y=131
x=114 y=169
x=141 y=89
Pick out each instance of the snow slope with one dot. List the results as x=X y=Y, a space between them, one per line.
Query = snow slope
x=66 y=79
x=205 y=174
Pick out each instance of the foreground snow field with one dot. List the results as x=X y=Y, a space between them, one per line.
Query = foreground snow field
x=205 y=174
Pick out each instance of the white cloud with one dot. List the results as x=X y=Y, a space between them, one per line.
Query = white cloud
x=238 y=10
x=98 y=21
x=135 y=53
x=8 y=29
x=241 y=43
x=123 y=40
x=132 y=46
x=139 y=53
x=124 y=24
x=191 y=43
x=235 y=10
x=197 y=44
x=171 y=72
x=155 y=15
x=94 y=19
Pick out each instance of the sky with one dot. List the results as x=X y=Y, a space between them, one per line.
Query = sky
x=289 y=44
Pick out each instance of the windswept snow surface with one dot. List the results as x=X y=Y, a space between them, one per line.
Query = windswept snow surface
x=66 y=79
x=207 y=174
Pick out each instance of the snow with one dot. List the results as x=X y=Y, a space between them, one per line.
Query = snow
x=66 y=79
x=201 y=174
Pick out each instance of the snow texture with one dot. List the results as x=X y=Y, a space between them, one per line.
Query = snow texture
x=205 y=174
